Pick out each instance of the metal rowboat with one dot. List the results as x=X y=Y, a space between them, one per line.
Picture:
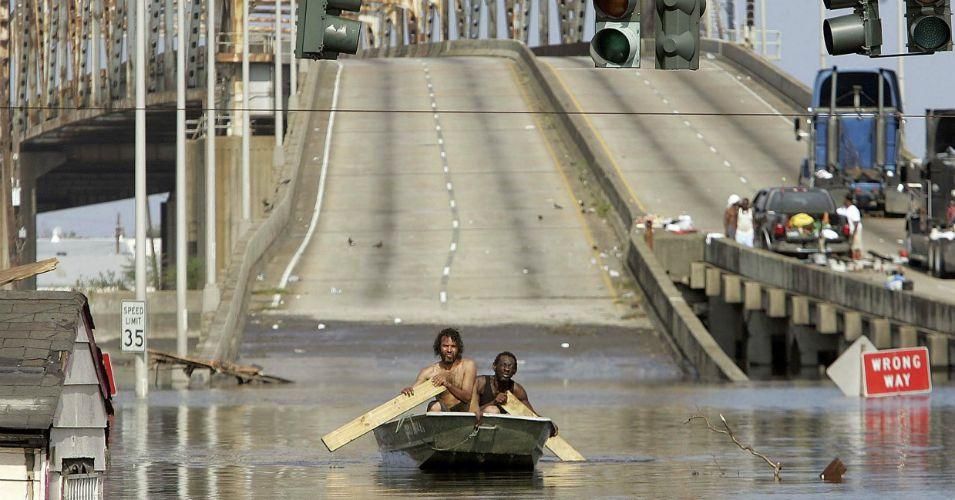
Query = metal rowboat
x=448 y=440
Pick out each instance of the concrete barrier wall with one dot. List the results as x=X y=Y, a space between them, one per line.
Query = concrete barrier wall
x=841 y=289
x=225 y=331
x=161 y=316
x=665 y=303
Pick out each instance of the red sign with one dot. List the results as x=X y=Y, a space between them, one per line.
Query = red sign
x=108 y=364
x=892 y=372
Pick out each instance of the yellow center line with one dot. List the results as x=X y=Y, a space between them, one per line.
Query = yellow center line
x=566 y=182
x=600 y=139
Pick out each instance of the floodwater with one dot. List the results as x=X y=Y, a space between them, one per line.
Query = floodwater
x=616 y=395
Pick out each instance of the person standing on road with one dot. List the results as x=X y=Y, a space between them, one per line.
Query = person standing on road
x=729 y=216
x=854 y=219
x=744 y=224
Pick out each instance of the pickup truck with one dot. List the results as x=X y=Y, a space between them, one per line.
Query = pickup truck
x=791 y=221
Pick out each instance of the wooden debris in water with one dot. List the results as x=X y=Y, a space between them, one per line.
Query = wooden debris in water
x=834 y=471
x=243 y=373
x=27 y=270
x=777 y=466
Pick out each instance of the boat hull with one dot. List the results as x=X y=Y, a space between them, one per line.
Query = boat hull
x=445 y=441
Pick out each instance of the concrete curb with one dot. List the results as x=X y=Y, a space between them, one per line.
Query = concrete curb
x=225 y=331
x=667 y=305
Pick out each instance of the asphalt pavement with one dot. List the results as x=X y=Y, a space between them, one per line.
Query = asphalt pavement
x=443 y=203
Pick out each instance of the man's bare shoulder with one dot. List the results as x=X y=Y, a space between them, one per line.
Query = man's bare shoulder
x=467 y=363
x=519 y=391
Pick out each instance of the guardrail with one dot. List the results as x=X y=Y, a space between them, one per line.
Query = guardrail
x=833 y=287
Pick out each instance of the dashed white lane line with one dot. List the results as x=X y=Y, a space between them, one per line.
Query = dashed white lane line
x=452 y=204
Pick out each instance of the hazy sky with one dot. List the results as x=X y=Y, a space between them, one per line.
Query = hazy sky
x=928 y=81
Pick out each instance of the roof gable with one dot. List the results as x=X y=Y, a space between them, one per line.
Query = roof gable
x=37 y=335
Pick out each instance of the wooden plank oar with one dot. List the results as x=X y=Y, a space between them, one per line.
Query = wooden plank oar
x=556 y=444
x=27 y=270
x=367 y=422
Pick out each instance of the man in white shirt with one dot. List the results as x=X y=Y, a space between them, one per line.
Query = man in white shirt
x=744 y=224
x=854 y=218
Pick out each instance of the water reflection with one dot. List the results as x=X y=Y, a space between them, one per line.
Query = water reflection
x=265 y=442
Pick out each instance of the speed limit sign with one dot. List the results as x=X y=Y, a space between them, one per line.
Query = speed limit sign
x=133 y=334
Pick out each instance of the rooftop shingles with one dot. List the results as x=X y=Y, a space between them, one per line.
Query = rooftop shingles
x=37 y=331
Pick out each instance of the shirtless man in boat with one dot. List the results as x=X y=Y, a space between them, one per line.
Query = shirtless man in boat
x=492 y=390
x=453 y=371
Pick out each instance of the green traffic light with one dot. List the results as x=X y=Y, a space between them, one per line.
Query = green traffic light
x=931 y=33
x=612 y=45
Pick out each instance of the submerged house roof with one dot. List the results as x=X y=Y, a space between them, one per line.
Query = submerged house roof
x=37 y=335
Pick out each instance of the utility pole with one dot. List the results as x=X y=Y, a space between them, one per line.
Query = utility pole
x=278 y=157
x=293 y=62
x=142 y=385
x=211 y=291
x=182 y=312
x=246 y=140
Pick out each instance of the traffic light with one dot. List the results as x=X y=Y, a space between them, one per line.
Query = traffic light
x=856 y=33
x=930 y=25
x=616 y=41
x=321 y=33
x=678 y=33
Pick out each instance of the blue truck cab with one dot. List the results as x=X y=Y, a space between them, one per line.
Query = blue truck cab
x=855 y=138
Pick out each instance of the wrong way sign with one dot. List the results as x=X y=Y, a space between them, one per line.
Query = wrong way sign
x=893 y=372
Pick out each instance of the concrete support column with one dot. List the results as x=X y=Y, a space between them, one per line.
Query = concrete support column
x=712 y=282
x=32 y=167
x=752 y=296
x=881 y=332
x=811 y=343
x=938 y=350
x=28 y=216
x=908 y=336
x=800 y=312
x=826 y=319
x=759 y=344
x=851 y=326
x=725 y=323
x=697 y=275
x=732 y=289
x=776 y=307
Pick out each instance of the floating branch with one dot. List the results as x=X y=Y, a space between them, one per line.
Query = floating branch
x=729 y=432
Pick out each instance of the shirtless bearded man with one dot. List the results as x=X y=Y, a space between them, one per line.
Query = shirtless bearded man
x=453 y=371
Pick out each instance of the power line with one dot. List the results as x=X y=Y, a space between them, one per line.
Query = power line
x=439 y=110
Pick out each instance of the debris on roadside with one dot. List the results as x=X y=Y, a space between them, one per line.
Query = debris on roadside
x=243 y=373
x=681 y=224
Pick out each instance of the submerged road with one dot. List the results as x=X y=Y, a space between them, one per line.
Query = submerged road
x=616 y=396
x=443 y=202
